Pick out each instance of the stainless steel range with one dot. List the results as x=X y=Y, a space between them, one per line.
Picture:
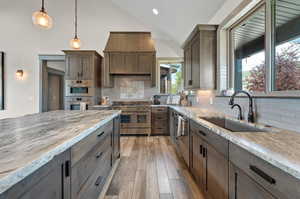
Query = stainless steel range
x=135 y=117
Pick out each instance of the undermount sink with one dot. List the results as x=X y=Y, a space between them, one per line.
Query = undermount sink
x=232 y=125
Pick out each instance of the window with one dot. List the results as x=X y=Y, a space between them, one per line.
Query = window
x=267 y=61
x=248 y=41
x=171 y=81
x=287 y=46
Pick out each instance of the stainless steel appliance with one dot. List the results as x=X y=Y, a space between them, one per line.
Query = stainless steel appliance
x=182 y=137
x=73 y=103
x=135 y=117
x=76 y=88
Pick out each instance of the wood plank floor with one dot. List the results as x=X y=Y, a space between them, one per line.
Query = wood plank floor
x=151 y=169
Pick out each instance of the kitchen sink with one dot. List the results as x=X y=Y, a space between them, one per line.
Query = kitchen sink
x=232 y=125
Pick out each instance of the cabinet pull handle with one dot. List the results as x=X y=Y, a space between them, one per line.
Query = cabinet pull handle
x=67 y=168
x=99 y=135
x=98 y=181
x=202 y=133
x=99 y=155
x=262 y=174
x=201 y=149
x=204 y=152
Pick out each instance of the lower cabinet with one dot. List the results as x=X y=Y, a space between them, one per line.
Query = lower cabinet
x=243 y=187
x=52 y=181
x=208 y=165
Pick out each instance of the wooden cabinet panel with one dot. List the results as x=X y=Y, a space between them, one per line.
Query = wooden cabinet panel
x=243 y=187
x=195 y=62
x=87 y=67
x=216 y=165
x=117 y=63
x=51 y=181
x=188 y=67
x=73 y=67
x=145 y=63
x=200 y=58
x=131 y=63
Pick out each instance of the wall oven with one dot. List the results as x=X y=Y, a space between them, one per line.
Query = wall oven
x=76 y=88
x=73 y=103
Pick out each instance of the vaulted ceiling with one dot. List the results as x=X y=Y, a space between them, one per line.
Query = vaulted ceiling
x=176 y=18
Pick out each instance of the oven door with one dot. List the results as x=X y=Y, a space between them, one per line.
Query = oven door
x=79 y=88
x=73 y=103
x=135 y=120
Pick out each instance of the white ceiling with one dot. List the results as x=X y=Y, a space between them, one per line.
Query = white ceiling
x=176 y=18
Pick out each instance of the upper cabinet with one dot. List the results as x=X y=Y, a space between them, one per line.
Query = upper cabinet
x=83 y=65
x=129 y=53
x=200 y=58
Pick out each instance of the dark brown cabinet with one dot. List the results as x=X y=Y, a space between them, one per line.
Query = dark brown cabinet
x=200 y=58
x=243 y=187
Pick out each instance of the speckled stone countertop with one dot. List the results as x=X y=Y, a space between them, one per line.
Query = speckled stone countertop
x=280 y=148
x=29 y=142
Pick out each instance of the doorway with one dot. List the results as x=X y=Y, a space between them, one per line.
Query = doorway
x=52 y=82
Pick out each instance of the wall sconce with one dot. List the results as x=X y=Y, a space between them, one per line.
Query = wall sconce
x=20 y=74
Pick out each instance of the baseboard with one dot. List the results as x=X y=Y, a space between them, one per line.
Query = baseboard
x=109 y=179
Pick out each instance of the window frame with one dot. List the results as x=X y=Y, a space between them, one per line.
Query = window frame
x=270 y=8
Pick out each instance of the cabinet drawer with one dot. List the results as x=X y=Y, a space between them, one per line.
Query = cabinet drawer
x=83 y=147
x=160 y=131
x=159 y=116
x=276 y=181
x=86 y=166
x=159 y=109
x=94 y=184
x=219 y=143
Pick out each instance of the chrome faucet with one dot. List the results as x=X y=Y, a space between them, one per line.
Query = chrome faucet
x=240 y=116
x=250 y=112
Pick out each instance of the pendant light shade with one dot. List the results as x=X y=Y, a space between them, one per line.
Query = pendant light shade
x=42 y=19
x=75 y=43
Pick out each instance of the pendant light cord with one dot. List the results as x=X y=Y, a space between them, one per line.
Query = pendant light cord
x=43 y=6
x=76 y=19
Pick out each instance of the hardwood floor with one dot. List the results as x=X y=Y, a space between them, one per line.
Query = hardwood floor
x=151 y=169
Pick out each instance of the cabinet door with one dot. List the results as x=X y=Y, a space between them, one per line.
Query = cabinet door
x=87 y=72
x=56 y=184
x=195 y=62
x=216 y=173
x=73 y=67
x=242 y=186
x=117 y=63
x=188 y=67
x=145 y=63
x=197 y=166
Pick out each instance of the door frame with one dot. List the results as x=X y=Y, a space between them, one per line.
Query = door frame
x=43 y=78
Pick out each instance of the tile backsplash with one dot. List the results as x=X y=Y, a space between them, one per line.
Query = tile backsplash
x=278 y=112
x=130 y=88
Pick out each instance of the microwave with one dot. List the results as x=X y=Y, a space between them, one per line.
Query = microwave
x=76 y=88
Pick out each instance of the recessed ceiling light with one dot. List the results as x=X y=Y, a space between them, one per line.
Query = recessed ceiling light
x=155 y=11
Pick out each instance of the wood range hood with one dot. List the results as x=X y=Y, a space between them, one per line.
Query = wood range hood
x=129 y=53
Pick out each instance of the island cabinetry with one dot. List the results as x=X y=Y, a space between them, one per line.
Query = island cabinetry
x=160 y=120
x=91 y=162
x=52 y=181
x=209 y=161
x=116 y=140
x=248 y=170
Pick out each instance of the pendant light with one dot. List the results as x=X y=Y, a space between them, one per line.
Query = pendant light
x=75 y=42
x=41 y=18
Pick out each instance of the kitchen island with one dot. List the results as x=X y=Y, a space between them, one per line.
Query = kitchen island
x=59 y=154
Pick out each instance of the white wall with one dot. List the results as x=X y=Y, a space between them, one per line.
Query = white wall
x=22 y=42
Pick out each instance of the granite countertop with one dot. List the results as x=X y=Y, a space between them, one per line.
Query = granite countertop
x=29 y=142
x=279 y=147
